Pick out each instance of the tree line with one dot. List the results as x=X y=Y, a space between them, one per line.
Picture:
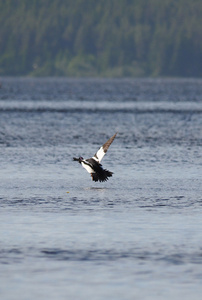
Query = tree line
x=114 y=38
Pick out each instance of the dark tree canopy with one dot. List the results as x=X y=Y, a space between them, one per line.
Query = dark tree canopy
x=101 y=38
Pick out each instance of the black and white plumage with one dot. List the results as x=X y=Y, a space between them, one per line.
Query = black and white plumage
x=93 y=165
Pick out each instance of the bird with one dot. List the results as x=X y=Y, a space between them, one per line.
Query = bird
x=93 y=165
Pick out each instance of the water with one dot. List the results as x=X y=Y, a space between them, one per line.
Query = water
x=137 y=236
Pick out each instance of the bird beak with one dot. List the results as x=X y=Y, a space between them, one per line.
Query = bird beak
x=75 y=159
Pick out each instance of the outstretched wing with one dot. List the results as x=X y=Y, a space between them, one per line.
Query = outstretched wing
x=102 y=151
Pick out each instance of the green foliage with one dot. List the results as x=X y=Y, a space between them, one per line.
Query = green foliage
x=114 y=38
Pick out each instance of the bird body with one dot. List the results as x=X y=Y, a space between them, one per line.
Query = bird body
x=93 y=166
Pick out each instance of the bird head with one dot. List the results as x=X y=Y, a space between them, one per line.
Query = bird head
x=80 y=159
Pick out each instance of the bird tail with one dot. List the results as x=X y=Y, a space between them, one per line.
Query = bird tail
x=103 y=176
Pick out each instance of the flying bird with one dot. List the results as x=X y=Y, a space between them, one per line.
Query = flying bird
x=93 y=165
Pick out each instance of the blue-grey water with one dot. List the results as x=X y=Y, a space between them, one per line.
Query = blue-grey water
x=137 y=236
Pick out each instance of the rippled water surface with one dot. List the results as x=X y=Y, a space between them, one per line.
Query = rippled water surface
x=137 y=236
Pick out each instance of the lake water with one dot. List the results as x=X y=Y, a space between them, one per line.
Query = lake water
x=137 y=236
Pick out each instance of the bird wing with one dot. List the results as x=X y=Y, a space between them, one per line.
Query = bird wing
x=102 y=151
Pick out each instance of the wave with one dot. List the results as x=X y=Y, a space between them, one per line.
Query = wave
x=101 y=106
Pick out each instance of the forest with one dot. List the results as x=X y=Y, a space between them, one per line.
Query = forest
x=101 y=38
